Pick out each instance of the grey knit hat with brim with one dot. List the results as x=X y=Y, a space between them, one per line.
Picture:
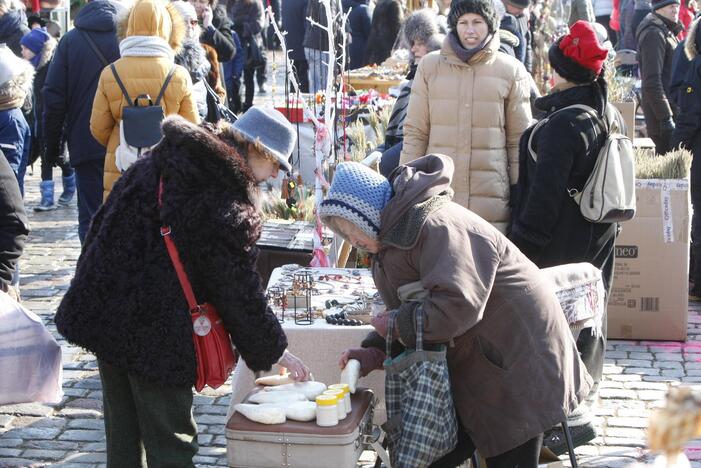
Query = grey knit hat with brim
x=269 y=131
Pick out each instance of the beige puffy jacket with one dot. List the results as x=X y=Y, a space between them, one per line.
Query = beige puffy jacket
x=474 y=112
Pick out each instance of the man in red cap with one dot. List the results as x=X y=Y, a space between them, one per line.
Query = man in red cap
x=547 y=224
x=657 y=39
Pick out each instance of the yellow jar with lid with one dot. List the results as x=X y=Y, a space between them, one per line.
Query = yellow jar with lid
x=346 y=394
x=327 y=410
x=341 y=408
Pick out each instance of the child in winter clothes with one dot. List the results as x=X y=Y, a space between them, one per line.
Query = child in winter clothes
x=38 y=48
x=16 y=77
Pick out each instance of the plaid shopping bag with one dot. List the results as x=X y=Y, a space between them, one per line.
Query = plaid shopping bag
x=421 y=424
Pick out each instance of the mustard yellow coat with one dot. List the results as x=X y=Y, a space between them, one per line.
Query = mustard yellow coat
x=475 y=113
x=141 y=75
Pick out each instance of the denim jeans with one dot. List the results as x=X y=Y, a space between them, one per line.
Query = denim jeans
x=318 y=69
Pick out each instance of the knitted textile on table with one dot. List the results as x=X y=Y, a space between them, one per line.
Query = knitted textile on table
x=357 y=194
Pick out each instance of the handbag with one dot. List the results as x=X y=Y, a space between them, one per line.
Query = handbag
x=214 y=353
x=252 y=53
x=421 y=423
x=215 y=108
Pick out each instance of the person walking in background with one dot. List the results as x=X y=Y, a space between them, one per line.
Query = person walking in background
x=139 y=325
x=657 y=39
x=518 y=9
x=387 y=19
x=216 y=28
x=547 y=224
x=581 y=10
x=200 y=61
x=687 y=134
x=471 y=103
x=38 y=48
x=248 y=24
x=69 y=91
x=422 y=35
x=602 y=11
x=293 y=22
x=13 y=26
x=154 y=32
x=16 y=76
x=316 y=42
x=359 y=22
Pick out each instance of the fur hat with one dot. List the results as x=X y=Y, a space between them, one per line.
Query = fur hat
x=269 y=131
x=484 y=8
x=578 y=57
x=357 y=194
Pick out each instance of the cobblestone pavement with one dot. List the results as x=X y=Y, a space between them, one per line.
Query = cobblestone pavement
x=71 y=433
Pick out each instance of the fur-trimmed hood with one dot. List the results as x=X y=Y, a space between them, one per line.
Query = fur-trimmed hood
x=692 y=43
x=47 y=52
x=153 y=18
x=20 y=86
x=192 y=56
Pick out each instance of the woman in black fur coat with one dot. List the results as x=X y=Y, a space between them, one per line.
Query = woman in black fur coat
x=125 y=303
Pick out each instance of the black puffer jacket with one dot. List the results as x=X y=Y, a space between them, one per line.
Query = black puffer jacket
x=546 y=222
x=125 y=303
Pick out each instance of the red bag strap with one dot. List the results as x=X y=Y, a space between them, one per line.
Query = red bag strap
x=175 y=257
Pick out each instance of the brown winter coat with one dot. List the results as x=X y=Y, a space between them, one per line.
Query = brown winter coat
x=514 y=366
x=475 y=113
x=141 y=75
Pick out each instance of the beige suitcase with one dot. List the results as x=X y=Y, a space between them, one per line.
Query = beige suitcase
x=302 y=444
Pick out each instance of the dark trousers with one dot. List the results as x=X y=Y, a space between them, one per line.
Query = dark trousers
x=695 y=260
x=47 y=169
x=390 y=159
x=523 y=456
x=248 y=75
x=89 y=184
x=301 y=72
x=233 y=93
x=146 y=424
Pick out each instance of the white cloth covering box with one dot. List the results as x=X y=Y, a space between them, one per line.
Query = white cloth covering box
x=301 y=444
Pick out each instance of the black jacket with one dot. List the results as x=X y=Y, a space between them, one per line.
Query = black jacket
x=359 y=21
x=13 y=26
x=315 y=37
x=688 y=130
x=72 y=80
x=248 y=19
x=14 y=226
x=219 y=35
x=125 y=303
x=680 y=67
x=656 y=43
x=546 y=222
x=386 y=22
x=293 y=21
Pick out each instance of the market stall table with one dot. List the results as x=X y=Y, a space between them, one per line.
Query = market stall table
x=320 y=344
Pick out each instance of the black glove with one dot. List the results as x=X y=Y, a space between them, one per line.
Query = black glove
x=667 y=129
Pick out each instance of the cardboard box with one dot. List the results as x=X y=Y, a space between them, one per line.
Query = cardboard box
x=649 y=299
x=627 y=110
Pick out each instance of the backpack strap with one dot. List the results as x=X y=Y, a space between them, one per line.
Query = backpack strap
x=121 y=85
x=589 y=110
x=165 y=85
x=94 y=46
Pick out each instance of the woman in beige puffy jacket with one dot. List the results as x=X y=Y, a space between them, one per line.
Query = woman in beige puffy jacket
x=151 y=35
x=471 y=102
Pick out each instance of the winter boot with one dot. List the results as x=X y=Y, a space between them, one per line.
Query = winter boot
x=68 y=190
x=46 y=187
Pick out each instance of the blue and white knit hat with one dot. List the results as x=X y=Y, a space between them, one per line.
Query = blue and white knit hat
x=357 y=194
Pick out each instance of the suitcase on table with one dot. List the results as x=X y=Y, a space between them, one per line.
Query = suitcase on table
x=302 y=444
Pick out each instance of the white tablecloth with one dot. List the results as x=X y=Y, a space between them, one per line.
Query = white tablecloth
x=320 y=344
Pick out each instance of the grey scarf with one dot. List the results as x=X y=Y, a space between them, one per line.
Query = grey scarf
x=466 y=54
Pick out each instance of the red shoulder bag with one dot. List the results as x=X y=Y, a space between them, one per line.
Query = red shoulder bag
x=215 y=355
